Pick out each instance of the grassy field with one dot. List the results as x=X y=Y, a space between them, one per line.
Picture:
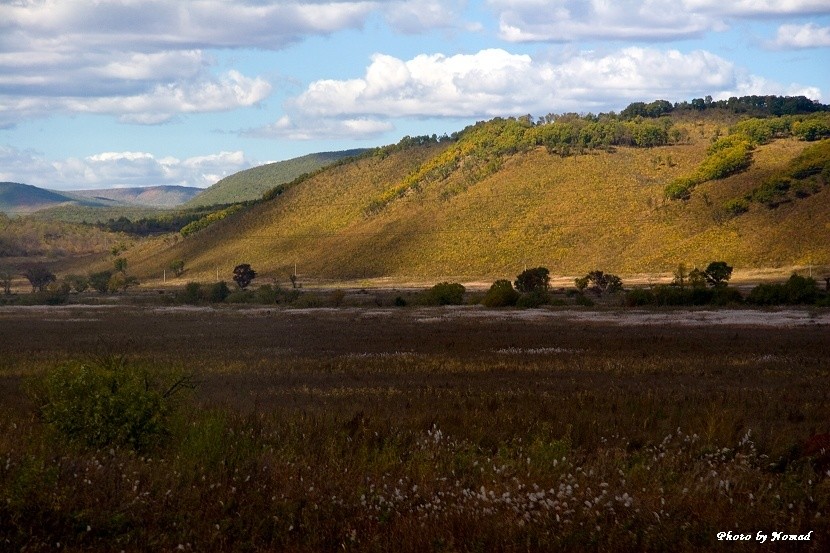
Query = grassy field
x=427 y=429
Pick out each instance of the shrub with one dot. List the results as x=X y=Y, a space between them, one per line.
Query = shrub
x=215 y=293
x=797 y=290
x=736 y=206
x=500 y=294
x=107 y=403
x=639 y=296
x=78 y=283
x=445 y=293
x=532 y=300
x=100 y=281
x=190 y=294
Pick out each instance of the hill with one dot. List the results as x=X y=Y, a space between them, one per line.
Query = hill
x=24 y=198
x=150 y=196
x=572 y=194
x=251 y=183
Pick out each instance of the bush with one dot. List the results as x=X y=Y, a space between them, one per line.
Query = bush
x=214 y=293
x=736 y=206
x=107 y=403
x=445 y=293
x=100 y=281
x=190 y=294
x=500 y=294
x=532 y=300
x=639 y=296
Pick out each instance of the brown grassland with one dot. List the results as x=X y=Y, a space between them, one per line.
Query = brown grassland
x=427 y=429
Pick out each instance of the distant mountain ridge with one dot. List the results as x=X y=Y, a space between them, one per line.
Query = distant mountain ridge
x=149 y=196
x=250 y=184
x=20 y=198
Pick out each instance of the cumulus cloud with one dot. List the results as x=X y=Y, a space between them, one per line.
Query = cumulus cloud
x=654 y=20
x=114 y=169
x=144 y=60
x=801 y=36
x=309 y=128
x=495 y=82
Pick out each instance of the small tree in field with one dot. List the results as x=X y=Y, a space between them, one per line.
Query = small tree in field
x=39 y=278
x=533 y=280
x=718 y=274
x=600 y=282
x=243 y=275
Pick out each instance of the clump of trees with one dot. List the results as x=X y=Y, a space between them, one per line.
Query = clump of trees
x=599 y=282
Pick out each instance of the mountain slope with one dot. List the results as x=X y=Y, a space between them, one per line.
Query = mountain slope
x=484 y=208
x=251 y=183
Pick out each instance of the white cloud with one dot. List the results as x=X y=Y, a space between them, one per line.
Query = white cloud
x=162 y=102
x=416 y=16
x=801 y=36
x=496 y=83
x=114 y=169
x=143 y=61
x=308 y=128
x=654 y=20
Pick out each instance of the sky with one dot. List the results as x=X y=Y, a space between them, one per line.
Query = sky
x=113 y=93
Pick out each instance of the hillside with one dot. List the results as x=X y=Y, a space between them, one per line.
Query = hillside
x=251 y=183
x=150 y=196
x=506 y=195
x=24 y=198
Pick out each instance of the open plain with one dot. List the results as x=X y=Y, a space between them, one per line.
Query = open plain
x=439 y=429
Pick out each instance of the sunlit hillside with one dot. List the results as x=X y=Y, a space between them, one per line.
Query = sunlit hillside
x=481 y=207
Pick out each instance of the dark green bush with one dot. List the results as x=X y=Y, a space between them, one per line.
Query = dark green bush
x=215 y=293
x=500 y=294
x=639 y=296
x=531 y=300
x=444 y=293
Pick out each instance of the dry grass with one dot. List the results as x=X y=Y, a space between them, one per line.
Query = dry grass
x=425 y=430
x=602 y=210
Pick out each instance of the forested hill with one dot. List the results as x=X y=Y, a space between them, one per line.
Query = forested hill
x=635 y=192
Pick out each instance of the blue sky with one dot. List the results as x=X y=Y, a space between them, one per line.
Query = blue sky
x=96 y=94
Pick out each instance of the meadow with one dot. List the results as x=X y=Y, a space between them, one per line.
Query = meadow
x=425 y=429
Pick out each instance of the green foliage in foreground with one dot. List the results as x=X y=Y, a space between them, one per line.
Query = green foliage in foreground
x=107 y=403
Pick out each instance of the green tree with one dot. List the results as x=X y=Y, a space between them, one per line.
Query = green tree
x=39 y=278
x=718 y=273
x=533 y=280
x=243 y=274
x=600 y=282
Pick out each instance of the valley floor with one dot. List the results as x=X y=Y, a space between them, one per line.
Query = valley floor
x=428 y=429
